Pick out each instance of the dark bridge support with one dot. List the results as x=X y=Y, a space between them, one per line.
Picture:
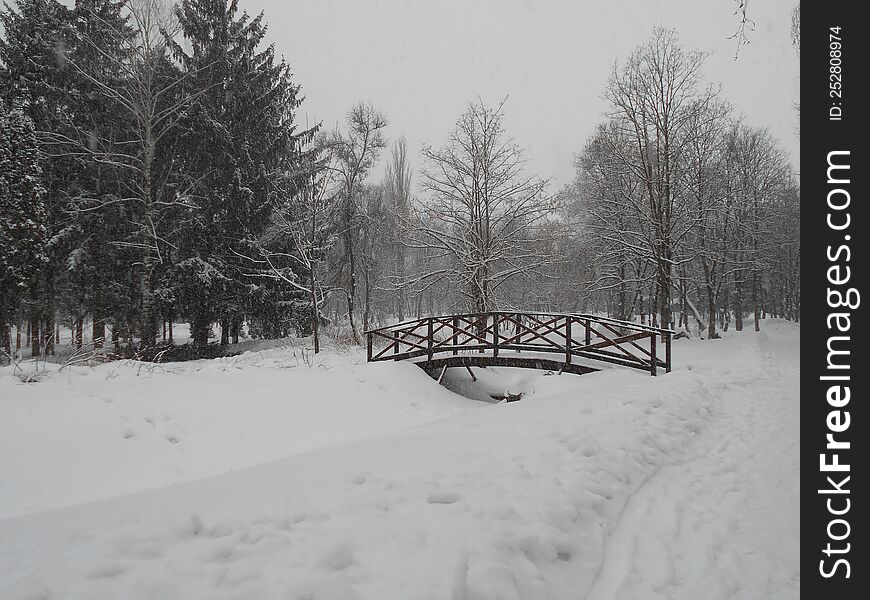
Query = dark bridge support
x=481 y=339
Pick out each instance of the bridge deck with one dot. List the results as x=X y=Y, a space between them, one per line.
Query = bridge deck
x=525 y=360
x=531 y=340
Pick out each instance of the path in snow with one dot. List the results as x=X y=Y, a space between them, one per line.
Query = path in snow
x=725 y=523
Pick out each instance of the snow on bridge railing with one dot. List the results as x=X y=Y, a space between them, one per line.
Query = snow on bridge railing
x=570 y=335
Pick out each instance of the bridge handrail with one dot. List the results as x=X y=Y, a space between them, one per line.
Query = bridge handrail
x=626 y=324
x=571 y=334
x=620 y=323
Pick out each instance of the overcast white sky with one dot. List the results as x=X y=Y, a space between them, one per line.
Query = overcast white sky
x=421 y=62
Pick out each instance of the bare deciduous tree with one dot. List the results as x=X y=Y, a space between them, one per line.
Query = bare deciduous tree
x=713 y=223
x=356 y=151
x=482 y=215
x=397 y=182
x=652 y=97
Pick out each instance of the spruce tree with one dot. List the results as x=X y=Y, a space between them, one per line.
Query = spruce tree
x=22 y=218
x=240 y=141
x=34 y=79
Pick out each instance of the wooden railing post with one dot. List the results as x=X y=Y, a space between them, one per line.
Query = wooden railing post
x=588 y=331
x=395 y=343
x=668 y=352
x=568 y=320
x=652 y=353
x=369 y=346
x=455 y=335
x=495 y=335
x=429 y=335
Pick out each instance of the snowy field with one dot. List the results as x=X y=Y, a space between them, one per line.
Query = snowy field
x=264 y=476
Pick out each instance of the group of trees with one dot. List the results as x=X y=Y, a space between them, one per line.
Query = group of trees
x=152 y=171
x=686 y=204
x=157 y=142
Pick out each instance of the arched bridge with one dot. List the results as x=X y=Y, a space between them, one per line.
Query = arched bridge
x=557 y=342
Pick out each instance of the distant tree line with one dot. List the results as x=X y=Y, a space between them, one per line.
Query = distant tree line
x=153 y=171
x=685 y=207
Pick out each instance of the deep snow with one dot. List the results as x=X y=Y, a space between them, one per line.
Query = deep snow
x=344 y=480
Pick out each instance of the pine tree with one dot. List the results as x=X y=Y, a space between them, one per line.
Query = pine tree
x=242 y=147
x=35 y=79
x=22 y=217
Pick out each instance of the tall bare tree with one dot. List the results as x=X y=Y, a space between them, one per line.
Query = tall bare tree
x=356 y=151
x=758 y=172
x=397 y=182
x=481 y=217
x=652 y=97
x=713 y=224
x=617 y=219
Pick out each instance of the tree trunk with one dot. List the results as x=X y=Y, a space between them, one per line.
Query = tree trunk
x=116 y=339
x=315 y=311
x=6 y=343
x=664 y=294
x=622 y=308
x=350 y=258
x=199 y=327
x=225 y=331
x=99 y=331
x=148 y=333
x=350 y=318
x=738 y=305
x=48 y=333
x=34 y=333
x=367 y=306
x=79 y=332
x=755 y=307
x=711 y=313
x=235 y=328
x=400 y=277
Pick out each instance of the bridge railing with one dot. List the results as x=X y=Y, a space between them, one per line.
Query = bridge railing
x=570 y=335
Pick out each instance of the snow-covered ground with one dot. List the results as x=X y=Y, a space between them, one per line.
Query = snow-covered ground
x=260 y=476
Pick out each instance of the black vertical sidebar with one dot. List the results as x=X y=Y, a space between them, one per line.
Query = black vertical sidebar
x=835 y=169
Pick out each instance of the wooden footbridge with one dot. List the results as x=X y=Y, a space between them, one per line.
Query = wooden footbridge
x=571 y=343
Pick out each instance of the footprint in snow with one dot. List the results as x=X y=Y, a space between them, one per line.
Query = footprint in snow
x=442 y=497
x=222 y=553
x=338 y=558
x=107 y=571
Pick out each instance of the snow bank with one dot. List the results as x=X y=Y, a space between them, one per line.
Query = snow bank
x=82 y=434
